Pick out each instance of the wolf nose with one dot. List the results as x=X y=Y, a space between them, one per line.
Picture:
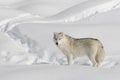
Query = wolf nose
x=56 y=43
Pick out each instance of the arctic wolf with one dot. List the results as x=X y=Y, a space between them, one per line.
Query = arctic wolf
x=72 y=47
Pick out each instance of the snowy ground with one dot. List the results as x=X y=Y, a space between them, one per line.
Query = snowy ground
x=52 y=72
x=27 y=50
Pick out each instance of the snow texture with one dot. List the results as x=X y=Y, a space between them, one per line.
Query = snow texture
x=26 y=37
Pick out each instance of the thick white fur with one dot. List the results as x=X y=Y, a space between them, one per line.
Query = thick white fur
x=72 y=47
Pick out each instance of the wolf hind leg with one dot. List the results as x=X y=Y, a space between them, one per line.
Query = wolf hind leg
x=100 y=56
x=92 y=59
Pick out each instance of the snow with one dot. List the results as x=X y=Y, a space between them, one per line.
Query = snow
x=27 y=50
x=52 y=72
x=110 y=17
x=83 y=10
x=8 y=2
x=79 y=12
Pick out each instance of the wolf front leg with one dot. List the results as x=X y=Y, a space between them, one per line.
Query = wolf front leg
x=69 y=59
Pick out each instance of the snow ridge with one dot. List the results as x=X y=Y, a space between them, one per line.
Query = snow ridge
x=5 y=23
x=82 y=11
x=92 y=11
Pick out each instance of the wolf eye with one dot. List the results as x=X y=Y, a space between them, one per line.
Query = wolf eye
x=55 y=37
x=59 y=38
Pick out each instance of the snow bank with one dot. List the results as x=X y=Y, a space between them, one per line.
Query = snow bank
x=107 y=18
x=45 y=7
x=83 y=10
x=12 y=52
x=25 y=39
x=73 y=14
x=33 y=51
x=7 y=14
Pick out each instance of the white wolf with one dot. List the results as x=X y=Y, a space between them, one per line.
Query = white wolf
x=72 y=47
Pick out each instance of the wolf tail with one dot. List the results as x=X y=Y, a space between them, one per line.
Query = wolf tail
x=100 y=54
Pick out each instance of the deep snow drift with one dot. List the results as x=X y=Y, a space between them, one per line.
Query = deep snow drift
x=13 y=16
x=27 y=29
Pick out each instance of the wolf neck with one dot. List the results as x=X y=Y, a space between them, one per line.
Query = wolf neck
x=66 y=42
x=69 y=39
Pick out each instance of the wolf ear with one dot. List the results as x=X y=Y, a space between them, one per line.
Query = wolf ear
x=54 y=33
x=58 y=33
x=61 y=33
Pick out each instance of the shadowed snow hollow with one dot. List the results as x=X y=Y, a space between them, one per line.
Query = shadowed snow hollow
x=12 y=52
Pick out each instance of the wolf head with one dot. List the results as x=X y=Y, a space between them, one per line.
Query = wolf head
x=58 y=36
